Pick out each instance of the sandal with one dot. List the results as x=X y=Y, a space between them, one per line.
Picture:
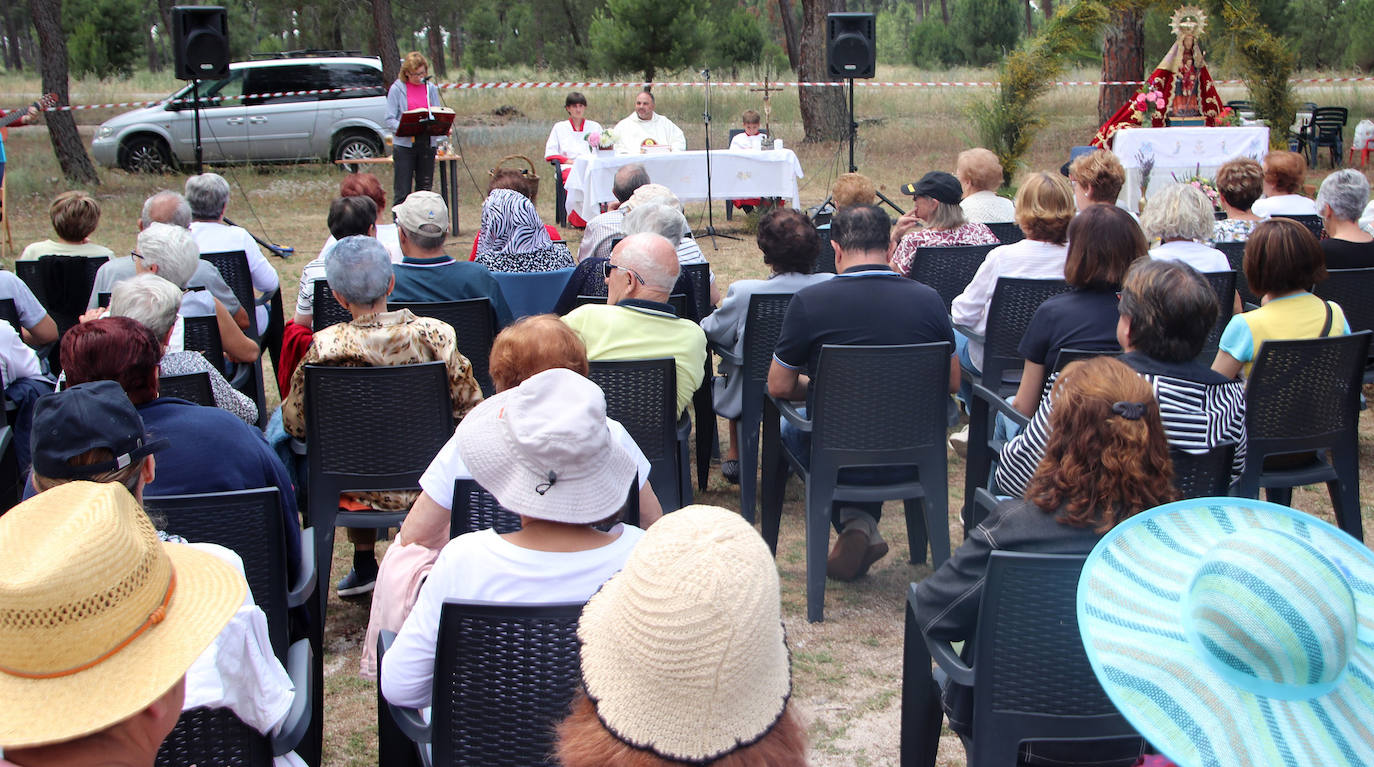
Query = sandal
x=730 y=470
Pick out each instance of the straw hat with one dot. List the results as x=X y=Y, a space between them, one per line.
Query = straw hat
x=1230 y=631
x=98 y=618
x=544 y=450
x=683 y=651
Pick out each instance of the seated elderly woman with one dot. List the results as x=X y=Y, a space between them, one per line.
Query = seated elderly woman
x=980 y=175
x=935 y=221
x=1167 y=309
x=852 y=189
x=789 y=244
x=1103 y=243
x=530 y=346
x=545 y=451
x=1097 y=178
x=1341 y=201
x=1284 y=174
x=514 y=239
x=367 y=185
x=153 y=301
x=359 y=273
x=1101 y=407
x=1240 y=182
x=208 y=195
x=519 y=181
x=1180 y=217
x=1283 y=260
x=666 y=220
x=682 y=692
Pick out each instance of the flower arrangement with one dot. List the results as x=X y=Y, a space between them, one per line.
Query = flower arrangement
x=1147 y=99
x=1203 y=184
x=603 y=140
x=1147 y=167
x=1227 y=116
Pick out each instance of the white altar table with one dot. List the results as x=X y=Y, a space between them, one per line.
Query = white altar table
x=1182 y=152
x=734 y=175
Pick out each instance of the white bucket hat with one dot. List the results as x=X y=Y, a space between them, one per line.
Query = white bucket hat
x=1231 y=631
x=707 y=671
x=544 y=450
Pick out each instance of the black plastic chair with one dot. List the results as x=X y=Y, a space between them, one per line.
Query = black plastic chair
x=1007 y=232
x=1014 y=301
x=948 y=270
x=1313 y=223
x=328 y=311
x=642 y=396
x=504 y=677
x=233 y=267
x=10 y=313
x=250 y=523
x=695 y=283
x=761 y=330
x=560 y=195
x=369 y=428
x=1204 y=475
x=192 y=387
x=476 y=509
x=473 y=322
x=870 y=406
x=1224 y=285
x=1327 y=129
x=1304 y=395
x=62 y=284
x=825 y=258
x=201 y=334
x=11 y=482
x=1353 y=290
x=1235 y=256
x=1030 y=676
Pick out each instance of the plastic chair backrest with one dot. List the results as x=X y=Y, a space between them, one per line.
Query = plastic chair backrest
x=233 y=267
x=474 y=325
x=249 y=523
x=530 y=293
x=1203 y=475
x=476 y=509
x=328 y=311
x=1007 y=232
x=825 y=258
x=10 y=313
x=1224 y=285
x=210 y=737
x=1235 y=256
x=1033 y=679
x=192 y=387
x=948 y=270
x=642 y=396
x=1014 y=301
x=62 y=284
x=877 y=405
x=201 y=334
x=695 y=282
x=1313 y=223
x=1304 y=394
x=1352 y=289
x=504 y=676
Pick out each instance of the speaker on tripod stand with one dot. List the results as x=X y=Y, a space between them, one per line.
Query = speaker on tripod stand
x=850 y=53
x=200 y=45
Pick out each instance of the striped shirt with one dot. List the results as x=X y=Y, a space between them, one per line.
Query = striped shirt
x=1199 y=412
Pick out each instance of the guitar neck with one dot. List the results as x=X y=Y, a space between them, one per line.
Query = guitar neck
x=18 y=114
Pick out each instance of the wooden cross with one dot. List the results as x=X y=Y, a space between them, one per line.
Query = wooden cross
x=767 y=104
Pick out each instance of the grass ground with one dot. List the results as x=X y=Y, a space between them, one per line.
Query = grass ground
x=847 y=670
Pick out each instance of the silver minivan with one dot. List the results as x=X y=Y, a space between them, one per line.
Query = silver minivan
x=244 y=117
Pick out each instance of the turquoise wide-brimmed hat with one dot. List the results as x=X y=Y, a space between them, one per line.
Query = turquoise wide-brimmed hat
x=1235 y=632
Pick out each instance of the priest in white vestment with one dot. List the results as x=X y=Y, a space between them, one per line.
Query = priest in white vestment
x=645 y=125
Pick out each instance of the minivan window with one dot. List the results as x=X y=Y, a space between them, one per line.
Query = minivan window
x=221 y=93
x=281 y=79
x=355 y=80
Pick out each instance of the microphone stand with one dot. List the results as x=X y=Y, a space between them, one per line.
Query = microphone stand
x=706 y=120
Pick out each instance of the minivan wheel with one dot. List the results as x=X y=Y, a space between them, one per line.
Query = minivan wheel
x=356 y=146
x=145 y=154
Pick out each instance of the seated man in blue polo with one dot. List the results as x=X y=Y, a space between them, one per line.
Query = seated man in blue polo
x=637 y=322
x=866 y=304
x=426 y=273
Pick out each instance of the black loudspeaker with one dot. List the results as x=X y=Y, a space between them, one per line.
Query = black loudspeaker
x=200 y=41
x=849 y=45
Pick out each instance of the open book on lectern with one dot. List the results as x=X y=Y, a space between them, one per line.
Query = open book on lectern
x=435 y=121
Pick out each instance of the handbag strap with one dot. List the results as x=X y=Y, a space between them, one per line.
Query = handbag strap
x=1326 y=326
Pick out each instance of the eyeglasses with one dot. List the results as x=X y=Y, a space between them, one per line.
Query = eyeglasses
x=610 y=267
x=136 y=254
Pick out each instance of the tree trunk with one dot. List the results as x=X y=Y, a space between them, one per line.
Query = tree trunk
x=385 y=39
x=1123 y=58
x=1048 y=7
x=1030 y=29
x=66 y=142
x=789 y=34
x=435 y=38
x=154 y=54
x=823 y=109
x=944 y=12
x=14 y=34
x=920 y=11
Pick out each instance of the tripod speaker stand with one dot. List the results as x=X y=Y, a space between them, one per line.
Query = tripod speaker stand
x=706 y=120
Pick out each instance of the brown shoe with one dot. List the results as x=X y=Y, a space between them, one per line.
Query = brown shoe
x=847 y=557
x=875 y=552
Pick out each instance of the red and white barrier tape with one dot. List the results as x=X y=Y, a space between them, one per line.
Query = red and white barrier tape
x=640 y=84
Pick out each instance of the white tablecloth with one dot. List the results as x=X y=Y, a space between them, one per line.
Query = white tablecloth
x=734 y=175
x=1182 y=152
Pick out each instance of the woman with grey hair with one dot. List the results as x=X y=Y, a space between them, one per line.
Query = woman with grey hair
x=359 y=272
x=1341 y=200
x=153 y=301
x=936 y=221
x=208 y=195
x=665 y=219
x=1180 y=217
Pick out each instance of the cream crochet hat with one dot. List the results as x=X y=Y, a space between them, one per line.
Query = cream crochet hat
x=683 y=651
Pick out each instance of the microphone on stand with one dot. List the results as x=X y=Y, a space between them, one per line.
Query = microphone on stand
x=706 y=74
x=426 y=78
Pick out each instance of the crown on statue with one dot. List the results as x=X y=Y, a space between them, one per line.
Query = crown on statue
x=1188 y=20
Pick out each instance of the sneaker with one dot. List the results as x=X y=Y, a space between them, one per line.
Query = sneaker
x=958 y=442
x=730 y=470
x=354 y=585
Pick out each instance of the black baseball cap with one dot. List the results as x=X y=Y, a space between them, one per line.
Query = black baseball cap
x=937 y=185
x=84 y=417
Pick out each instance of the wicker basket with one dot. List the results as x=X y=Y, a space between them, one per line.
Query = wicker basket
x=529 y=173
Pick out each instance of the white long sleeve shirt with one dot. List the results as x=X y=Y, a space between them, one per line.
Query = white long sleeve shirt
x=631 y=132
